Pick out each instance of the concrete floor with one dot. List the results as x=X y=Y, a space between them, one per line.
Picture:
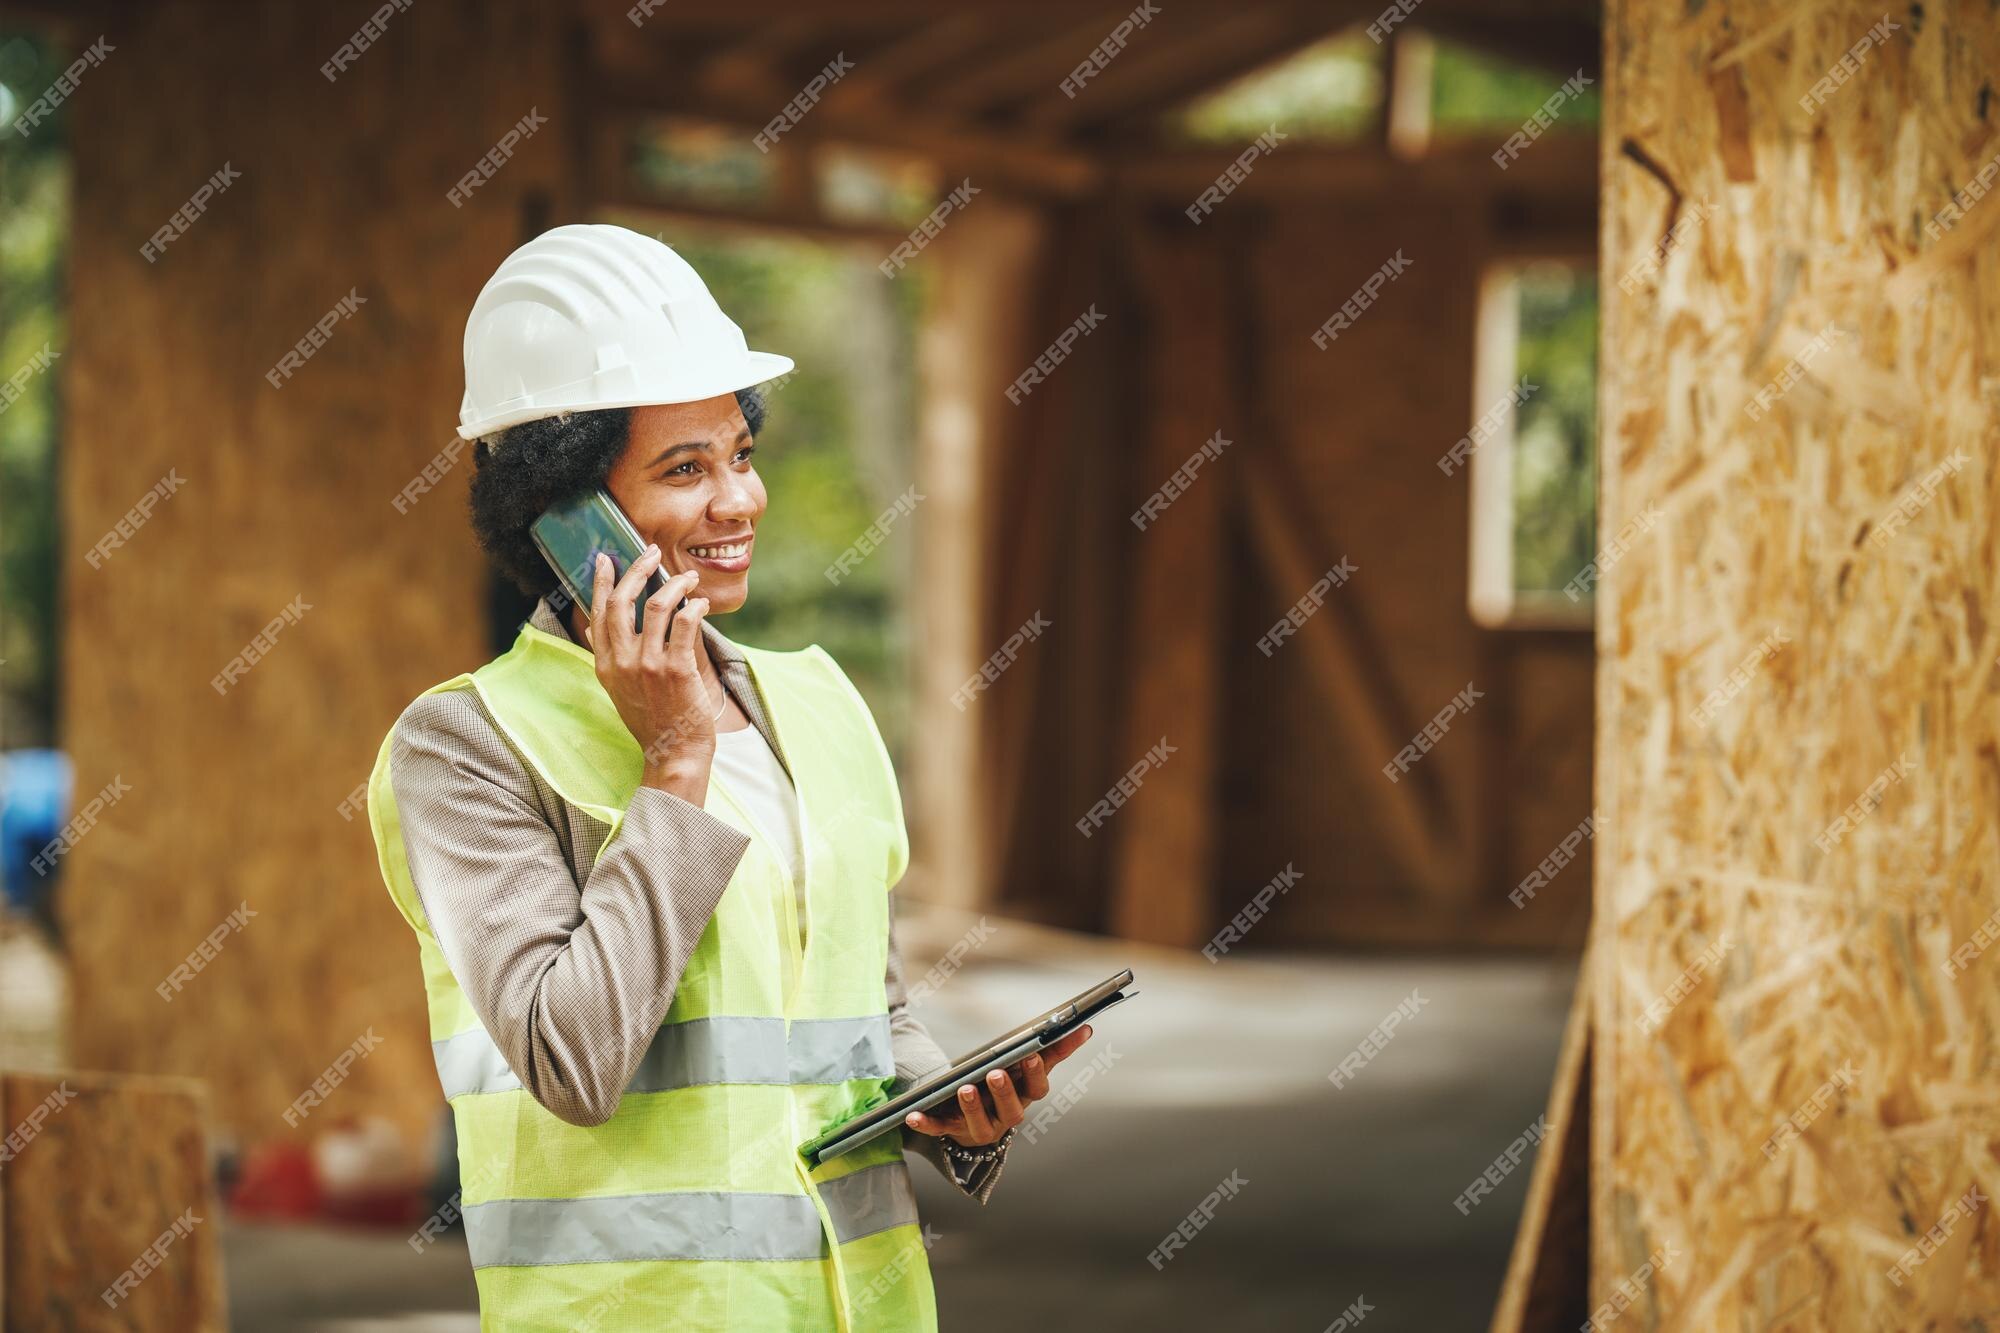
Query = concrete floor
x=1219 y=1068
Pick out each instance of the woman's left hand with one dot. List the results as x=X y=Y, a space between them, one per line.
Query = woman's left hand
x=974 y=1121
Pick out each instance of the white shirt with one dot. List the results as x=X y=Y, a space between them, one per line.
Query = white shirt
x=755 y=778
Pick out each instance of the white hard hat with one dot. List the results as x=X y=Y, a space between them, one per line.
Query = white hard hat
x=593 y=316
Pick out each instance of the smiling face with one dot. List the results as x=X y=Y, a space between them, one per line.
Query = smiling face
x=686 y=481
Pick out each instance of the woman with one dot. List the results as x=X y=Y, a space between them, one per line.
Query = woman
x=649 y=870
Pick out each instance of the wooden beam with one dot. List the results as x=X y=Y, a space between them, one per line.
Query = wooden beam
x=1180 y=58
x=1372 y=719
x=1460 y=167
x=889 y=70
x=1021 y=69
x=1166 y=835
x=1547 y=1286
x=1017 y=161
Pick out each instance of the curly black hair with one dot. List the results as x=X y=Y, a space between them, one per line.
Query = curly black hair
x=518 y=473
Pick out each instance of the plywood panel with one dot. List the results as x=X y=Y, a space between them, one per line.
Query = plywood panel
x=108 y=1213
x=1796 y=752
x=236 y=799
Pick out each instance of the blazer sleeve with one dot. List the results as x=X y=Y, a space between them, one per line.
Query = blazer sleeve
x=916 y=1055
x=571 y=981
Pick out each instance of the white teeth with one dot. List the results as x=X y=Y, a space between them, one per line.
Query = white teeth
x=720 y=552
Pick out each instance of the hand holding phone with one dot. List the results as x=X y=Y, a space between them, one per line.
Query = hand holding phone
x=570 y=537
x=656 y=686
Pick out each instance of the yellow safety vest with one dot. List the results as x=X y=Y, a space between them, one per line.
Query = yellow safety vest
x=691 y=1207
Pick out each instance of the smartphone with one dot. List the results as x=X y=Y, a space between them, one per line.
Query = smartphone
x=569 y=536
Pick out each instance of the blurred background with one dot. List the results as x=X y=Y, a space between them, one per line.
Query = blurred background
x=1195 y=192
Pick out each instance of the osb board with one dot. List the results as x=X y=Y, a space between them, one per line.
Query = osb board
x=109 y=1169
x=1829 y=949
x=235 y=799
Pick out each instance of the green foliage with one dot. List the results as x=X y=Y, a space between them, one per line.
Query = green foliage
x=1329 y=91
x=835 y=453
x=1555 y=433
x=1471 y=90
x=34 y=228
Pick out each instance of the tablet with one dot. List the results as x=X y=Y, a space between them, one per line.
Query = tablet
x=1036 y=1034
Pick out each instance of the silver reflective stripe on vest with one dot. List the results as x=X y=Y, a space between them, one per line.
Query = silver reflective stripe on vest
x=704 y=1050
x=695 y=1224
